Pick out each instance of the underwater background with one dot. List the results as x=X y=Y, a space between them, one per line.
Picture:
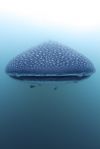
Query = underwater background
x=41 y=117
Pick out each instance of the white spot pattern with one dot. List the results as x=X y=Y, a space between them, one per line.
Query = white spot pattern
x=48 y=59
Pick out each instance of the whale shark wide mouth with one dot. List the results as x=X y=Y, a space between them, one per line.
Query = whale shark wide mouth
x=70 y=77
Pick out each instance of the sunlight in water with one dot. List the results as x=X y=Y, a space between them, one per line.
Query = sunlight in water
x=74 y=13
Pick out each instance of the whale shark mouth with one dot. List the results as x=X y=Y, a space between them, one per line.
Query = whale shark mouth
x=50 y=78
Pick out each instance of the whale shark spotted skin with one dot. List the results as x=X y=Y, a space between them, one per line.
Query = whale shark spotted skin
x=50 y=61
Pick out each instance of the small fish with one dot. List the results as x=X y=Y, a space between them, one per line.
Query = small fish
x=32 y=86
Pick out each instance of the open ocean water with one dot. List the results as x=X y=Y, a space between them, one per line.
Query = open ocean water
x=41 y=117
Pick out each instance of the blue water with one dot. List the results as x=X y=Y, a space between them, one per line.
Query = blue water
x=41 y=117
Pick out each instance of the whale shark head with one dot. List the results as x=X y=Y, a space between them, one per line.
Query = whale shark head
x=50 y=61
